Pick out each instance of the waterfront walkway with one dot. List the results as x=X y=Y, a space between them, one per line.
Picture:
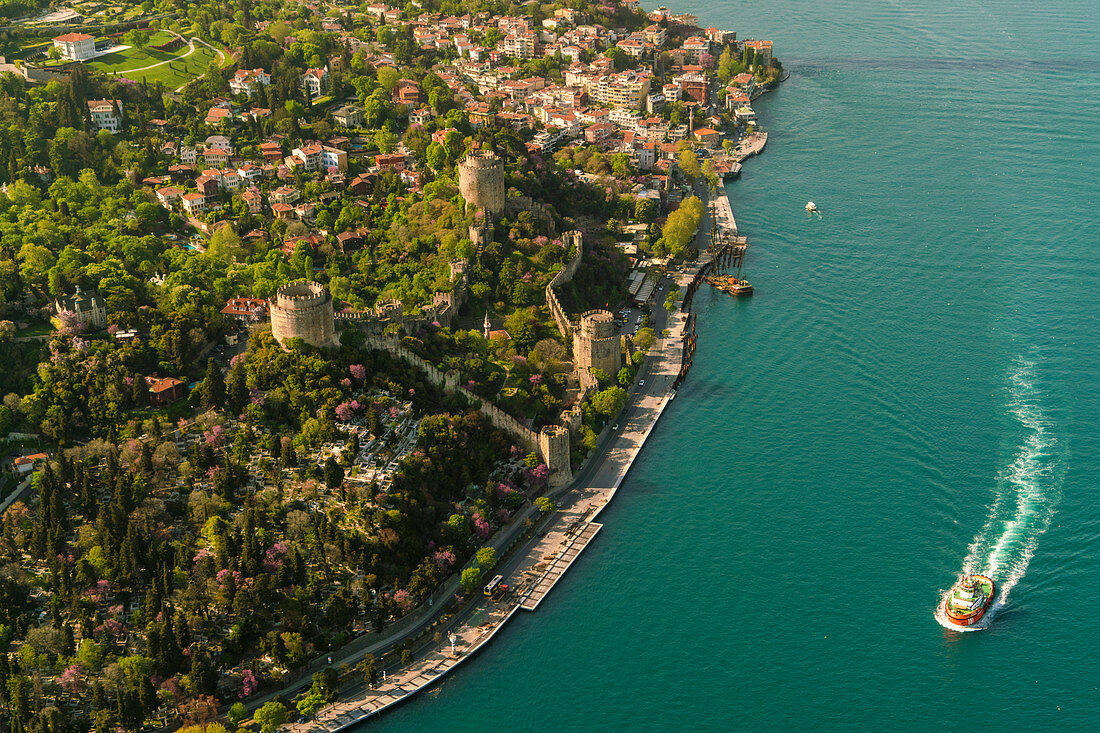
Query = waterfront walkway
x=537 y=568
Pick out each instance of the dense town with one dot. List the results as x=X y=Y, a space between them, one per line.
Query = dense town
x=289 y=336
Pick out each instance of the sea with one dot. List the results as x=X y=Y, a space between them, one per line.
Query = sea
x=912 y=393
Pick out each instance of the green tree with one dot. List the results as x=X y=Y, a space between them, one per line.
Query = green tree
x=369 y=668
x=436 y=156
x=486 y=558
x=386 y=140
x=670 y=301
x=310 y=704
x=226 y=245
x=212 y=393
x=689 y=163
x=544 y=504
x=270 y=716
x=236 y=713
x=471 y=579
x=608 y=402
x=334 y=475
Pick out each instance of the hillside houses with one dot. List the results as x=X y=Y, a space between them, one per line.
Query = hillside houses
x=594 y=102
x=247 y=81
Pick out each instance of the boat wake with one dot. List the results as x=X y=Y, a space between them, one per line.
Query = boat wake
x=1028 y=492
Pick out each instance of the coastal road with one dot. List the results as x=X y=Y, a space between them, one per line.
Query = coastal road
x=591 y=489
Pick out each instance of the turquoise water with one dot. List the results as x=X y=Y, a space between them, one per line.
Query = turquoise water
x=914 y=389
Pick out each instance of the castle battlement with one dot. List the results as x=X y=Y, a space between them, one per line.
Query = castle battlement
x=481 y=181
x=303 y=309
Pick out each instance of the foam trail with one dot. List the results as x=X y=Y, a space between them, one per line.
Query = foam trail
x=1027 y=497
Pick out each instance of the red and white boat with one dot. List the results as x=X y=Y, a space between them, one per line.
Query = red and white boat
x=969 y=599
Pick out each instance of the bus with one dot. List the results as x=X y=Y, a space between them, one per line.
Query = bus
x=495 y=587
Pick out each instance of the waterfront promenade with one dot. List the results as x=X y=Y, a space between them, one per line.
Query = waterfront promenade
x=536 y=568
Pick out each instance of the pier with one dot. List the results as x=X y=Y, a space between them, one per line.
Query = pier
x=750 y=146
x=545 y=583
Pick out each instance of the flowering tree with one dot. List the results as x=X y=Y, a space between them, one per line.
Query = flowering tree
x=214 y=436
x=481 y=527
x=249 y=683
x=538 y=476
x=72 y=679
x=69 y=323
x=358 y=371
x=444 y=559
x=403 y=600
x=345 y=411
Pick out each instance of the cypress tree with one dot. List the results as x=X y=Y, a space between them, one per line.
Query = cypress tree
x=213 y=386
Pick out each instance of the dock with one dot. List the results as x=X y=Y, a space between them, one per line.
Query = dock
x=750 y=146
x=549 y=578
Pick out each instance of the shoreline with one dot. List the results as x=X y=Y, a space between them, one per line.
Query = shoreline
x=566 y=533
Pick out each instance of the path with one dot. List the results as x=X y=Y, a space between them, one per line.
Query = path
x=190 y=45
x=215 y=49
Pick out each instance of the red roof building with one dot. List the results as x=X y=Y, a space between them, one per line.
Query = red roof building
x=164 y=390
x=246 y=309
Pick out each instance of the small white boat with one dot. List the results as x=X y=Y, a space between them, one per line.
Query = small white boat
x=811 y=207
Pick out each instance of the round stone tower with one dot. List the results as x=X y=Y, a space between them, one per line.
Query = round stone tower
x=481 y=181
x=303 y=309
x=596 y=345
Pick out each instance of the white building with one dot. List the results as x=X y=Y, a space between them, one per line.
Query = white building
x=88 y=307
x=313 y=81
x=246 y=81
x=75 y=46
x=106 y=113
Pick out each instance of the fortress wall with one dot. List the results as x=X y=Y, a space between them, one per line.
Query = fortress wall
x=564 y=275
x=551 y=445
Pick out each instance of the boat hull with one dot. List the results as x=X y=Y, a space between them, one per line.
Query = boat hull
x=731 y=285
x=969 y=616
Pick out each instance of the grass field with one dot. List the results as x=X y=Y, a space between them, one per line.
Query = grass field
x=178 y=72
x=136 y=58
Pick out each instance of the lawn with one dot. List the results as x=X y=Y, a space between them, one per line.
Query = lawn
x=40 y=328
x=136 y=58
x=178 y=72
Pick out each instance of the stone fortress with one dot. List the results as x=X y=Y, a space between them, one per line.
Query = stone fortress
x=303 y=309
x=481 y=181
x=596 y=345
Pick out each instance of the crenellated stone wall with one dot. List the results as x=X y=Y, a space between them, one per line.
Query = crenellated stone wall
x=551 y=445
x=564 y=275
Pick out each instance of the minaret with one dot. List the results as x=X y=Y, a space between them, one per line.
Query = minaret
x=487 y=326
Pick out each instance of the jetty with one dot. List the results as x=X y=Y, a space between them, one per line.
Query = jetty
x=750 y=146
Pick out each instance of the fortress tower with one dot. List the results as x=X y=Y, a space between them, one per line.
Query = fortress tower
x=481 y=181
x=553 y=449
x=303 y=309
x=596 y=345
